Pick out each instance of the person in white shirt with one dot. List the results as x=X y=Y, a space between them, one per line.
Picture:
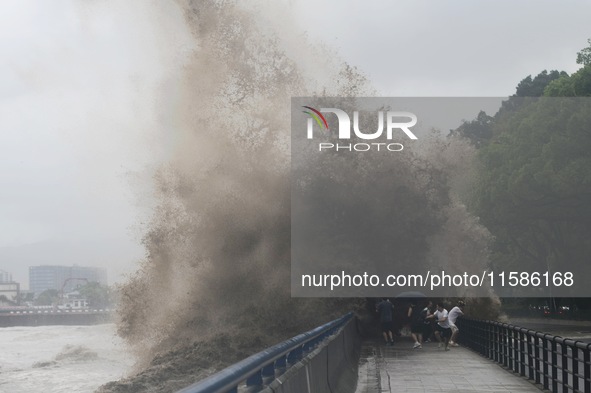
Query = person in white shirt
x=455 y=312
x=442 y=328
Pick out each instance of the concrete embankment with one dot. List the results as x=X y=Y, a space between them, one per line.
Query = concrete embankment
x=331 y=368
x=54 y=318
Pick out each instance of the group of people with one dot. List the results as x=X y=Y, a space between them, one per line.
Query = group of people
x=424 y=322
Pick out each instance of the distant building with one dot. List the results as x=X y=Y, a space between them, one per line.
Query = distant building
x=9 y=290
x=68 y=278
x=5 y=276
x=73 y=301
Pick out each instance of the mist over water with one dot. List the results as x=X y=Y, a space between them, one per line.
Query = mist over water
x=215 y=284
x=57 y=359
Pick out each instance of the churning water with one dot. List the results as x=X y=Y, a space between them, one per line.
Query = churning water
x=56 y=359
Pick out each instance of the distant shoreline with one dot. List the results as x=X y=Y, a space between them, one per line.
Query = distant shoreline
x=46 y=318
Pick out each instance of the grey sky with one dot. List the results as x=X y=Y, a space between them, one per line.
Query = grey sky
x=451 y=48
x=79 y=83
x=78 y=129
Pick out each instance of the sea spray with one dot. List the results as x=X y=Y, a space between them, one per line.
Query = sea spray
x=219 y=241
x=214 y=286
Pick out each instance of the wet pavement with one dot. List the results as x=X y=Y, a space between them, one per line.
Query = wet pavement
x=400 y=368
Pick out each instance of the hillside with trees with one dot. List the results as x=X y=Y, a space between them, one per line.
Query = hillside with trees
x=533 y=183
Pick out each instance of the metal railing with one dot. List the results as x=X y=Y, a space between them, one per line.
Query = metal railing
x=556 y=363
x=259 y=369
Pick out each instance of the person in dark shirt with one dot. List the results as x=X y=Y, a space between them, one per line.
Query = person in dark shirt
x=417 y=316
x=427 y=325
x=386 y=311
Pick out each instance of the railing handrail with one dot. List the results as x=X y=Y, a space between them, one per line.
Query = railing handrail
x=556 y=363
x=537 y=333
x=237 y=373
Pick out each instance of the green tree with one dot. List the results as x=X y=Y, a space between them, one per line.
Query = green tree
x=23 y=298
x=97 y=295
x=533 y=182
x=529 y=87
x=584 y=56
x=5 y=300
x=534 y=186
x=47 y=297
x=562 y=87
x=481 y=130
x=478 y=131
x=577 y=84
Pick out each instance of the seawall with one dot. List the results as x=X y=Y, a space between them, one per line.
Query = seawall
x=55 y=318
x=331 y=368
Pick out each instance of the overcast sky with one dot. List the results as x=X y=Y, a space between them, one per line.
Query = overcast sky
x=78 y=134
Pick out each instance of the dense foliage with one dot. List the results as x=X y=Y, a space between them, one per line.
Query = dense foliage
x=534 y=185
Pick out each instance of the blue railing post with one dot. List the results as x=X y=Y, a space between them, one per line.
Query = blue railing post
x=564 y=353
x=309 y=346
x=497 y=339
x=530 y=357
x=522 y=352
x=504 y=345
x=481 y=338
x=281 y=363
x=545 y=357
x=537 y=356
x=489 y=339
x=587 y=367
x=575 y=357
x=554 y=368
x=255 y=380
x=507 y=343
x=268 y=371
x=294 y=356
x=515 y=344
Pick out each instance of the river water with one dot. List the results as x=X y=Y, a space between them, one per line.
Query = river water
x=54 y=359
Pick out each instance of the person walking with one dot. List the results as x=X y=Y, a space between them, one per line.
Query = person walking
x=417 y=317
x=442 y=328
x=427 y=323
x=386 y=310
x=454 y=313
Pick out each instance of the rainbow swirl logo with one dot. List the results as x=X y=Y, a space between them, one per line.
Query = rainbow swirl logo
x=316 y=115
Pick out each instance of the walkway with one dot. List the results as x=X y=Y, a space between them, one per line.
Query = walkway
x=401 y=369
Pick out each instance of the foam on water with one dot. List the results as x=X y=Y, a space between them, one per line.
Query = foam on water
x=59 y=359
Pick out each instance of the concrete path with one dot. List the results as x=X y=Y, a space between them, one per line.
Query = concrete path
x=402 y=369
